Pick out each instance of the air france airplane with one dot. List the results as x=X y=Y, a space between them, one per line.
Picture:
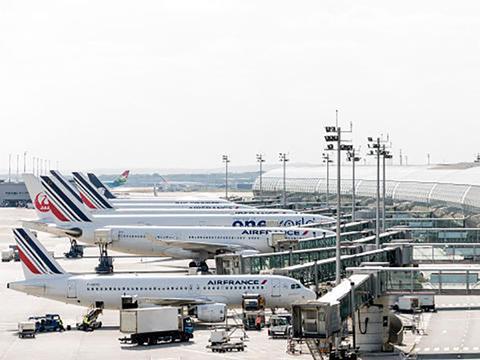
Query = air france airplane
x=94 y=199
x=44 y=277
x=100 y=186
x=99 y=204
x=93 y=181
x=194 y=242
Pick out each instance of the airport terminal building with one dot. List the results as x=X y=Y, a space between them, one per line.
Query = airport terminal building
x=456 y=185
x=13 y=194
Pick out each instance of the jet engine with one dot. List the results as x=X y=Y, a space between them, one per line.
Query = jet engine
x=215 y=312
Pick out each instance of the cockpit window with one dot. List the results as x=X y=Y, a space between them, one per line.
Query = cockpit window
x=294 y=286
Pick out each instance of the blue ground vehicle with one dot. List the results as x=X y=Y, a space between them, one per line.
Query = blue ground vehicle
x=47 y=323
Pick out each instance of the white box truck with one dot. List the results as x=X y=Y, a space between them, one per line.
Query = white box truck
x=410 y=303
x=7 y=255
x=156 y=324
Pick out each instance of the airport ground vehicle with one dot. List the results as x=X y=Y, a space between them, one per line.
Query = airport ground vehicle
x=47 y=323
x=76 y=251
x=410 y=303
x=253 y=306
x=279 y=326
x=89 y=320
x=149 y=326
x=26 y=329
x=16 y=256
x=222 y=341
x=7 y=255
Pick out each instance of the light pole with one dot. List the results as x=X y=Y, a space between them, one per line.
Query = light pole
x=9 y=167
x=260 y=161
x=283 y=158
x=226 y=160
x=378 y=149
x=18 y=169
x=385 y=155
x=331 y=139
x=351 y=156
x=375 y=145
x=327 y=160
x=24 y=162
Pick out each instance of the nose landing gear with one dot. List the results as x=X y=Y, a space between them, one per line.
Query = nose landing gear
x=76 y=251
x=105 y=262
x=201 y=266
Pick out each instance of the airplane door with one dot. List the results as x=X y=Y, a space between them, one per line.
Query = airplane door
x=71 y=289
x=275 y=288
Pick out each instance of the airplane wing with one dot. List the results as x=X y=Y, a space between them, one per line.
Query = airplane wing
x=202 y=246
x=51 y=228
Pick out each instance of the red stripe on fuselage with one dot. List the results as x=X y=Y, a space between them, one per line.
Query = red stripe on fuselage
x=27 y=262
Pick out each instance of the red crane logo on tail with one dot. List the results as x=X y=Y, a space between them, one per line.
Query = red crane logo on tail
x=41 y=202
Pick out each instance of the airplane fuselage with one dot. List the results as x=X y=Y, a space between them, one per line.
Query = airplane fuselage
x=88 y=290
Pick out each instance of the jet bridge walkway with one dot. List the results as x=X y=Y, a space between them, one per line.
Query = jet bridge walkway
x=442 y=234
x=311 y=250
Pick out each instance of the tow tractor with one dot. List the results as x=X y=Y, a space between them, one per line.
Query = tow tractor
x=253 y=306
x=47 y=323
x=89 y=320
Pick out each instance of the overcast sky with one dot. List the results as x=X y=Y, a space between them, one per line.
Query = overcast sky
x=174 y=84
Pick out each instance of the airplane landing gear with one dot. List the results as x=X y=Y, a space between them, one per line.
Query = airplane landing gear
x=201 y=266
x=105 y=262
x=76 y=251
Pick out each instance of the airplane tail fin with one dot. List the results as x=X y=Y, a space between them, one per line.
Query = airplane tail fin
x=64 y=206
x=35 y=258
x=89 y=193
x=125 y=175
x=68 y=186
x=39 y=198
x=100 y=186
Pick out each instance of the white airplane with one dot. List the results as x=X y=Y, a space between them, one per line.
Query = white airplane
x=44 y=277
x=55 y=204
x=92 y=192
x=193 y=242
x=94 y=199
x=98 y=203
x=103 y=189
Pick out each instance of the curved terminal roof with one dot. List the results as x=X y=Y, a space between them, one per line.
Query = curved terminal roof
x=456 y=184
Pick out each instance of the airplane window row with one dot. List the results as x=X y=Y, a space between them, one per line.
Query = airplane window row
x=172 y=288
x=221 y=237
x=233 y=287
x=134 y=236
x=135 y=288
